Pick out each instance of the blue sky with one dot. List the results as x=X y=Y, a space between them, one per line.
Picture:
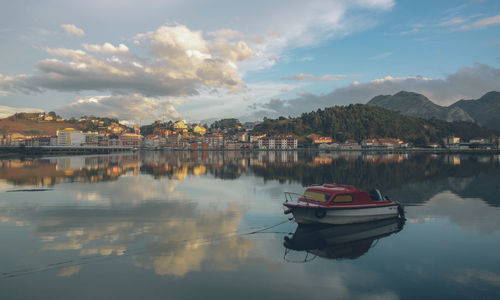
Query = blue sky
x=193 y=60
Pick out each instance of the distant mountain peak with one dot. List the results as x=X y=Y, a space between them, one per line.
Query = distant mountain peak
x=490 y=96
x=406 y=93
x=485 y=110
x=417 y=105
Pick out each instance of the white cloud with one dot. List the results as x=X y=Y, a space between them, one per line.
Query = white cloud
x=107 y=48
x=452 y=22
x=186 y=54
x=72 y=29
x=467 y=83
x=182 y=61
x=6 y=111
x=228 y=105
x=296 y=24
x=328 y=77
x=5 y=84
x=123 y=107
x=482 y=23
x=382 y=55
x=377 y=4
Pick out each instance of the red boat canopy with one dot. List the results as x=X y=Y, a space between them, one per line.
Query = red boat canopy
x=335 y=194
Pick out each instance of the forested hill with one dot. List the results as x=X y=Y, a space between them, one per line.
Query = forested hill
x=358 y=121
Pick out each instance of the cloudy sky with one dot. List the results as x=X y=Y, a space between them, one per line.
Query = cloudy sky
x=195 y=60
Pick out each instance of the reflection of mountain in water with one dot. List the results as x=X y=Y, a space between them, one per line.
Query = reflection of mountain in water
x=366 y=172
x=340 y=241
x=410 y=180
x=483 y=185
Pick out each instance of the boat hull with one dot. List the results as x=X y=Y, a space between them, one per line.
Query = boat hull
x=338 y=216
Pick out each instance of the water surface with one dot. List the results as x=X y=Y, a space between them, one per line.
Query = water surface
x=179 y=225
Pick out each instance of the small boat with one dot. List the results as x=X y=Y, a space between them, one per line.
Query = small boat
x=340 y=204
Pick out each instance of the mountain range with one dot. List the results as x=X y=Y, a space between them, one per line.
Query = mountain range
x=485 y=111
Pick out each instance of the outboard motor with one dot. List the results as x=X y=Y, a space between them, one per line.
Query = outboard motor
x=376 y=195
x=401 y=211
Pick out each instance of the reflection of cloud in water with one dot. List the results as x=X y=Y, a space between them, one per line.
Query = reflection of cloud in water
x=341 y=280
x=210 y=237
x=68 y=271
x=179 y=237
x=127 y=190
x=248 y=192
x=5 y=186
x=471 y=214
x=475 y=277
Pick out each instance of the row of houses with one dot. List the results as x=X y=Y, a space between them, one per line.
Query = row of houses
x=71 y=137
x=214 y=141
x=324 y=142
x=452 y=143
x=218 y=141
x=455 y=143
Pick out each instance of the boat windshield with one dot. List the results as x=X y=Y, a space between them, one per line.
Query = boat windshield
x=315 y=196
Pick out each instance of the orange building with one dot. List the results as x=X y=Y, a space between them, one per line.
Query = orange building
x=322 y=140
x=130 y=139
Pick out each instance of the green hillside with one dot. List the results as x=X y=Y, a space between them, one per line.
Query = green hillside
x=358 y=121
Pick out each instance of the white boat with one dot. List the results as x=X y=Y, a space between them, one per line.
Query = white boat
x=340 y=204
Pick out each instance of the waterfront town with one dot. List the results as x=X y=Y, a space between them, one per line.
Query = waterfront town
x=180 y=135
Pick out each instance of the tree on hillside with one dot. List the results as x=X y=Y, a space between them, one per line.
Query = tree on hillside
x=359 y=122
x=230 y=125
x=52 y=114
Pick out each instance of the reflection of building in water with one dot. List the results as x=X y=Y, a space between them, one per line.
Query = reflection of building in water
x=318 y=160
x=275 y=157
x=199 y=170
x=70 y=163
x=46 y=172
x=452 y=159
x=484 y=159
x=346 y=155
x=368 y=157
x=386 y=158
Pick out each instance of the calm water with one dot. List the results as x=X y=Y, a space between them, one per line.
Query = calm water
x=211 y=226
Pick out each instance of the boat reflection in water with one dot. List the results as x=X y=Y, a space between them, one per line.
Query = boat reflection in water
x=339 y=241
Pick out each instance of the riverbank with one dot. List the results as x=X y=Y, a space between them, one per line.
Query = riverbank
x=6 y=152
x=59 y=150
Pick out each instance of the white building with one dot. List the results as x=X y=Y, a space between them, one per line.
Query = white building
x=278 y=142
x=70 y=137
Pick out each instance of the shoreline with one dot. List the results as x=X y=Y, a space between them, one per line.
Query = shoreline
x=7 y=152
